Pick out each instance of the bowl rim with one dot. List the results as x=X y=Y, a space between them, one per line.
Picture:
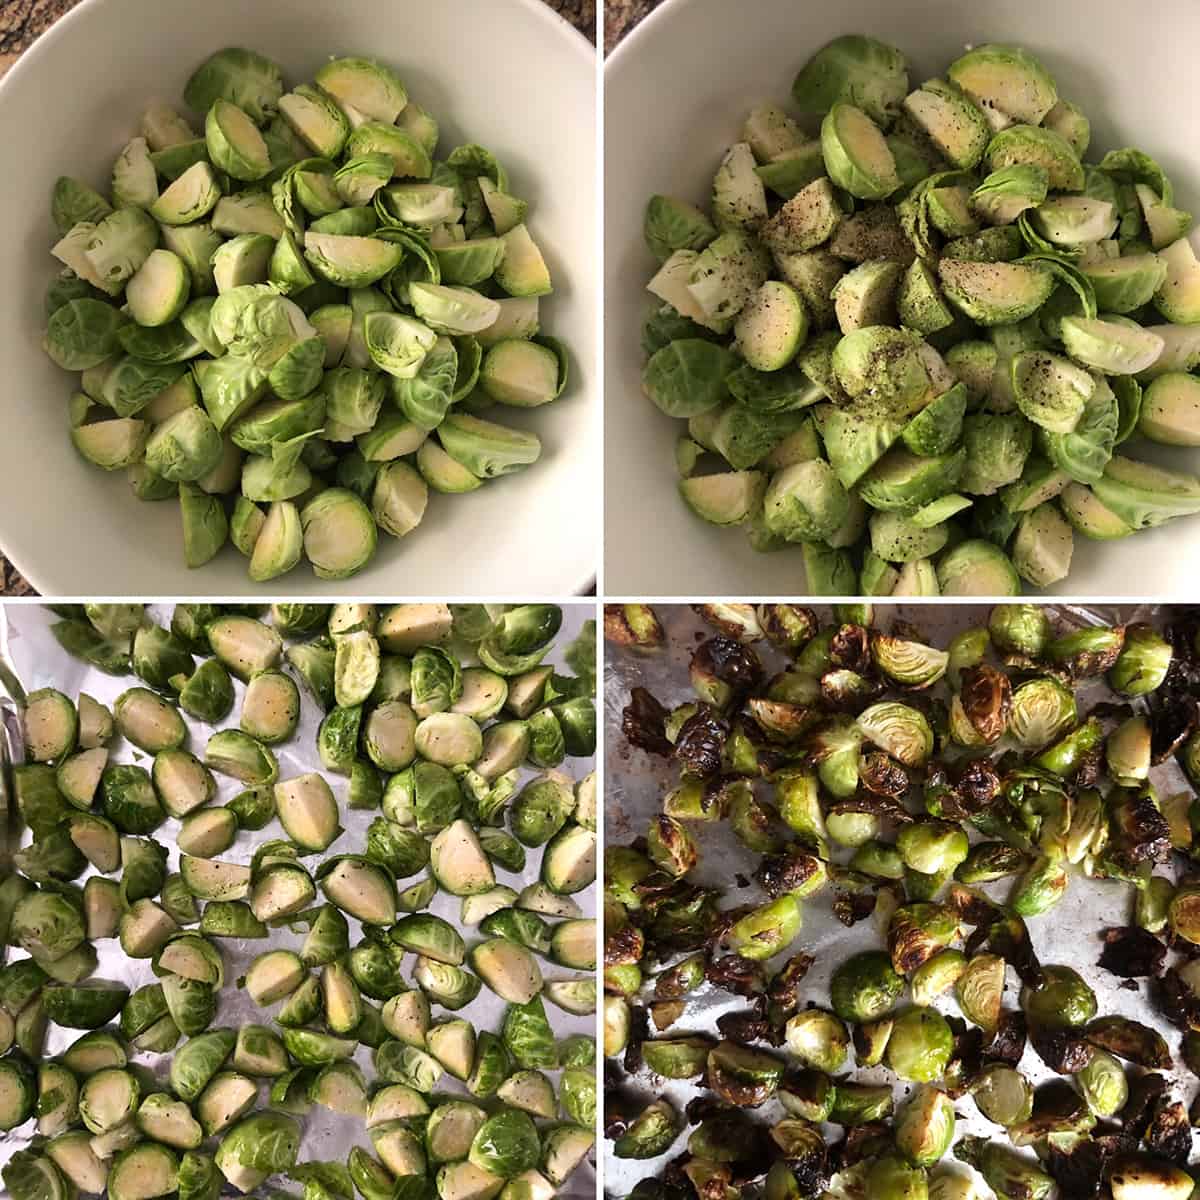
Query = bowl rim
x=651 y=20
x=574 y=42
x=545 y=13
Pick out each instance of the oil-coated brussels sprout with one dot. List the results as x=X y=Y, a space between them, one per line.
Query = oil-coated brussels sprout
x=920 y=1045
x=865 y=987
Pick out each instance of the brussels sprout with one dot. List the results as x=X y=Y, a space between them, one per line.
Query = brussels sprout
x=1142 y=664
x=1019 y=629
x=270 y=707
x=207 y=695
x=232 y=752
x=920 y=1045
x=257 y=1146
x=918 y=931
x=1132 y=1174
x=57 y=1098
x=925 y=1127
x=1062 y=1001
x=84 y=1006
x=865 y=987
x=430 y=936
x=765 y=931
x=107 y=1099
x=307 y=811
x=650 y=1133
x=1042 y=709
x=46 y=925
x=20 y=1093
x=901 y=731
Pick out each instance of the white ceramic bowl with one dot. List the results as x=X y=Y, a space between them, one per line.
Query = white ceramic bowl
x=509 y=74
x=675 y=95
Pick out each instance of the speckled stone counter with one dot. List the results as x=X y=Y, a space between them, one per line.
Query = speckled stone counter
x=21 y=21
x=620 y=16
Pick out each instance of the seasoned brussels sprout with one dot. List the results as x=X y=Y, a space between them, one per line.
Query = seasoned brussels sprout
x=865 y=987
x=920 y=1045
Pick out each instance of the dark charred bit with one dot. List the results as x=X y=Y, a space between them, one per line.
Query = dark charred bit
x=879 y=806
x=850 y=648
x=705 y=1108
x=1132 y=952
x=674 y=1175
x=1008 y=1042
x=716 y=793
x=1057 y=1108
x=976 y=783
x=975 y=941
x=1010 y=939
x=964 y=789
x=1109 y=710
x=1170 y=1133
x=1171 y=724
x=643 y=722
x=1146 y=1092
x=883 y=776
x=778 y=874
x=1090 y=768
x=986 y=698
x=1142 y=832
x=810 y=1170
x=624 y=946
x=788 y=626
x=1023 y=664
x=861 y=1141
x=966 y=1060
x=735 y=665
x=639 y=1031
x=1062 y=1050
x=736 y=974
x=971 y=907
x=784 y=988
x=1085 y=663
x=1130 y=1040
x=742 y=1089
x=619 y=1108
x=701 y=741
x=1176 y=1001
x=748 y=1026
x=852 y=907
x=1079 y=1171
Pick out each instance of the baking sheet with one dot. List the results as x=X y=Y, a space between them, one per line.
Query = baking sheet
x=37 y=660
x=635 y=783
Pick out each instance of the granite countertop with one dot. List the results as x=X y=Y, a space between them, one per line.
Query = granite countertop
x=21 y=21
x=620 y=16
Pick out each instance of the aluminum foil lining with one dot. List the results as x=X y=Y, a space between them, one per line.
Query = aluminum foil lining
x=635 y=783
x=36 y=660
